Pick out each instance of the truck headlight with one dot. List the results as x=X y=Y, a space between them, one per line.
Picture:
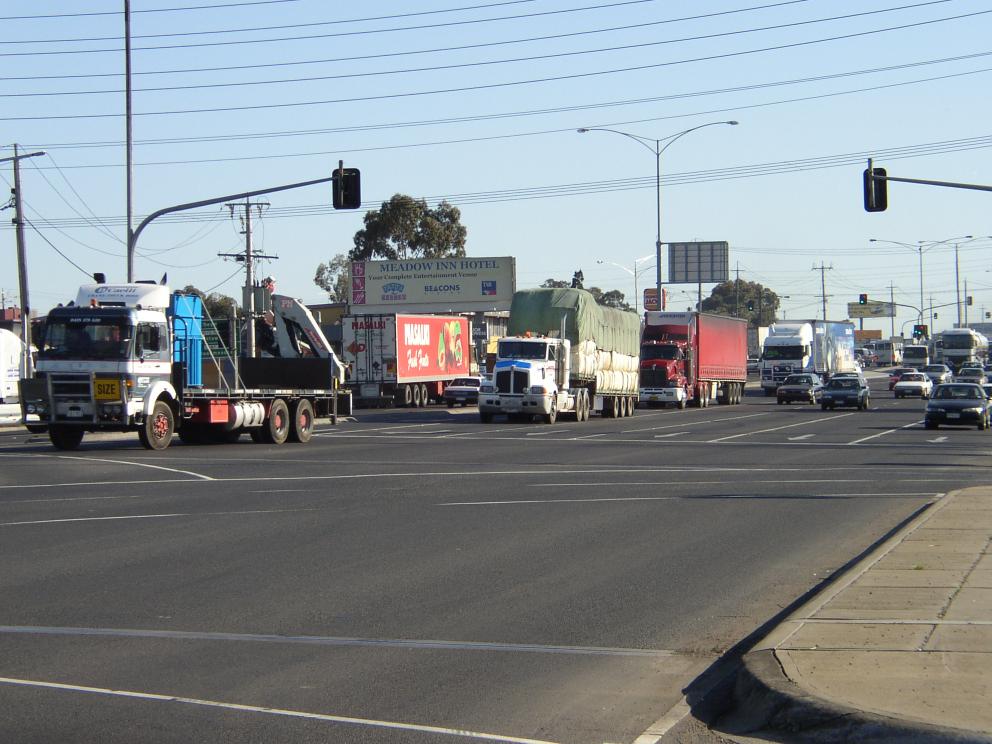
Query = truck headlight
x=487 y=390
x=973 y=410
x=537 y=390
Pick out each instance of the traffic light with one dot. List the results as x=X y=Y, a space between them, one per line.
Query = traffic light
x=971 y=300
x=921 y=331
x=862 y=299
x=347 y=188
x=750 y=306
x=876 y=192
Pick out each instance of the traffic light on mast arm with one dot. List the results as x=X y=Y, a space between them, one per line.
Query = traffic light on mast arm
x=347 y=187
x=921 y=331
x=876 y=189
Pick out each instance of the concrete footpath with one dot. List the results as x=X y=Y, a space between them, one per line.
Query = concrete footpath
x=897 y=649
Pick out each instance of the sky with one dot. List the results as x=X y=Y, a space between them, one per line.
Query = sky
x=477 y=102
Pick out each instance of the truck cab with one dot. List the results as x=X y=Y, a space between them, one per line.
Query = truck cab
x=788 y=350
x=530 y=377
x=663 y=367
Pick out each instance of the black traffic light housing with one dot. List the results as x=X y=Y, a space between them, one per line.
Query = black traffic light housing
x=876 y=190
x=750 y=306
x=921 y=331
x=347 y=188
x=862 y=299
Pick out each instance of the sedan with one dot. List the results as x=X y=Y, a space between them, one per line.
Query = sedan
x=958 y=404
x=915 y=384
x=845 y=391
x=800 y=388
x=939 y=373
x=975 y=375
x=462 y=390
x=898 y=372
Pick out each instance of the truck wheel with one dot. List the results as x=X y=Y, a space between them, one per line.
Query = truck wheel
x=632 y=406
x=425 y=397
x=418 y=401
x=156 y=432
x=275 y=430
x=616 y=412
x=550 y=418
x=681 y=404
x=302 y=427
x=65 y=437
x=405 y=397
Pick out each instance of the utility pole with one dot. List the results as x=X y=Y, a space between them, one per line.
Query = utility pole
x=737 y=292
x=892 y=302
x=823 y=284
x=22 y=267
x=965 y=301
x=249 y=258
x=957 y=287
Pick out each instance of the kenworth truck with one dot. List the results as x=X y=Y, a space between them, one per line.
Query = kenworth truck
x=130 y=357
x=692 y=358
x=564 y=354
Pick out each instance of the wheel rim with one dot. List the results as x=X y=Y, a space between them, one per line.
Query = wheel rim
x=160 y=426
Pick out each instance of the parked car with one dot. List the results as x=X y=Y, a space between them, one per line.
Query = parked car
x=958 y=404
x=898 y=372
x=845 y=391
x=804 y=388
x=938 y=373
x=464 y=390
x=915 y=384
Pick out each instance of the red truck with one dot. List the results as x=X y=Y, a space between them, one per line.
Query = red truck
x=404 y=360
x=692 y=357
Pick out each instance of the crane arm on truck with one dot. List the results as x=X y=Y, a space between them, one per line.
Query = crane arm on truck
x=297 y=334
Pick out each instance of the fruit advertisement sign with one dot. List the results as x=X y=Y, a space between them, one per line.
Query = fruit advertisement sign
x=432 y=347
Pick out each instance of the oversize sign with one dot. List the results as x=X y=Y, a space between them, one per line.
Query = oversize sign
x=431 y=285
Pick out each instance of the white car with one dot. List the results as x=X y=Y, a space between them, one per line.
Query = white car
x=915 y=384
x=464 y=390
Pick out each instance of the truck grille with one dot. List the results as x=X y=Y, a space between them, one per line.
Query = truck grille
x=72 y=397
x=69 y=385
x=511 y=381
x=653 y=378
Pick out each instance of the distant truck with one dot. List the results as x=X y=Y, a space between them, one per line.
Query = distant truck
x=404 y=360
x=130 y=357
x=806 y=346
x=963 y=346
x=692 y=357
x=565 y=354
x=915 y=355
x=11 y=364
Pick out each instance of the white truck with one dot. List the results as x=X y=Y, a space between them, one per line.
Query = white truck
x=564 y=354
x=11 y=365
x=822 y=347
x=131 y=357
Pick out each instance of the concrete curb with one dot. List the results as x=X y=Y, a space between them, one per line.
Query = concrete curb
x=768 y=701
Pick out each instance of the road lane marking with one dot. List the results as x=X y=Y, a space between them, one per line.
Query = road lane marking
x=696 y=423
x=150 y=516
x=546 y=431
x=728 y=497
x=367 y=722
x=883 y=433
x=801 y=436
x=119 y=462
x=779 y=428
x=938 y=440
x=405 y=643
x=671 y=434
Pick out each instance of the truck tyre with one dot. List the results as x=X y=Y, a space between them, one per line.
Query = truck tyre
x=156 y=431
x=405 y=396
x=425 y=397
x=276 y=428
x=65 y=437
x=681 y=404
x=615 y=412
x=415 y=394
x=586 y=405
x=302 y=427
x=632 y=405
x=550 y=418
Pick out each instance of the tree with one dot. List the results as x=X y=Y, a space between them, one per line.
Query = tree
x=555 y=284
x=743 y=300
x=405 y=227
x=332 y=277
x=217 y=305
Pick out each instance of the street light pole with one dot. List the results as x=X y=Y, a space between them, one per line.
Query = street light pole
x=634 y=273
x=656 y=148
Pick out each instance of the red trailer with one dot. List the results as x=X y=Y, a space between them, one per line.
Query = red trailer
x=692 y=357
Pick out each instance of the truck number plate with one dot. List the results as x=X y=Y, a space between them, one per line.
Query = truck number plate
x=953 y=415
x=107 y=390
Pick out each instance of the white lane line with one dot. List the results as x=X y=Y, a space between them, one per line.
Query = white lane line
x=557 y=501
x=800 y=437
x=670 y=434
x=883 y=433
x=744 y=497
x=430 y=645
x=368 y=722
x=696 y=423
x=938 y=440
x=779 y=428
x=149 y=516
x=124 y=462
x=546 y=431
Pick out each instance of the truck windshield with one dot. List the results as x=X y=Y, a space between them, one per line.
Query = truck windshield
x=960 y=342
x=667 y=351
x=784 y=352
x=86 y=338
x=522 y=350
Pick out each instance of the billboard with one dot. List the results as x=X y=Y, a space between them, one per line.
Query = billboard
x=405 y=348
x=432 y=285
x=698 y=263
x=871 y=310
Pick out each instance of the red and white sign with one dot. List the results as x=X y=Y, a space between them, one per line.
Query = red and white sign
x=432 y=347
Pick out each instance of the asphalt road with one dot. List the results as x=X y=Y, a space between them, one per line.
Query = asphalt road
x=417 y=576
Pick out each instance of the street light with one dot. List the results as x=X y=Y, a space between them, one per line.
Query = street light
x=656 y=148
x=633 y=272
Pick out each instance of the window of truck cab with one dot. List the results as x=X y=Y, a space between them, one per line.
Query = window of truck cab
x=152 y=342
x=85 y=336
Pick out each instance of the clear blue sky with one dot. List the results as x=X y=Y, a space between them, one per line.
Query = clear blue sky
x=477 y=102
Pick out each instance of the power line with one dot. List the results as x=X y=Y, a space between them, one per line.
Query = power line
x=464 y=65
x=148 y=10
x=507 y=84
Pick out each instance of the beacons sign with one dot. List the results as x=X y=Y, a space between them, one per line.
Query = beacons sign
x=432 y=285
